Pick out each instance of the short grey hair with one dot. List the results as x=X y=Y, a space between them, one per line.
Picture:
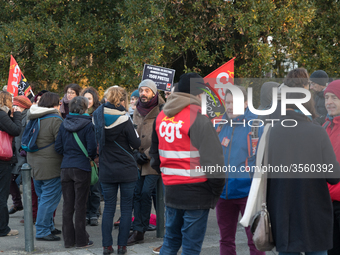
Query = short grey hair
x=79 y=105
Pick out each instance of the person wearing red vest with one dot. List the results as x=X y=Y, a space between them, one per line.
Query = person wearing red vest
x=332 y=125
x=184 y=145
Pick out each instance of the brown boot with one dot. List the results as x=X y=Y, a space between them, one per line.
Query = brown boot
x=136 y=237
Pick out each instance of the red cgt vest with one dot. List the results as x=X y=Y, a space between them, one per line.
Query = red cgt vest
x=180 y=160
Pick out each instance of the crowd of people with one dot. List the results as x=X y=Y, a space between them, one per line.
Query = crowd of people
x=139 y=139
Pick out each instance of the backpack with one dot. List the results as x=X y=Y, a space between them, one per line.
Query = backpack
x=29 y=137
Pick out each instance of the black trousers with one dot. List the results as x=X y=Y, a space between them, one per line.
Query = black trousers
x=15 y=192
x=336 y=229
x=75 y=186
x=5 y=180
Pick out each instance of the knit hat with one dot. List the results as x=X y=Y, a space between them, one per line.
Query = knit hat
x=150 y=84
x=135 y=93
x=319 y=77
x=194 y=87
x=333 y=87
x=267 y=94
x=22 y=102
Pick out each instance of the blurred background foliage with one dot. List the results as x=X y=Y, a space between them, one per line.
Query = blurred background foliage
x=106 y=42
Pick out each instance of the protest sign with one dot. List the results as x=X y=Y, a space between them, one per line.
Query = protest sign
x=163 y=77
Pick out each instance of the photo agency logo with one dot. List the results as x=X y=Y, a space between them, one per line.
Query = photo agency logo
x=281 y=95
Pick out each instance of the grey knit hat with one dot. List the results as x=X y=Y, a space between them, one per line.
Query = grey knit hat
x=150 y=84
x=319 y=77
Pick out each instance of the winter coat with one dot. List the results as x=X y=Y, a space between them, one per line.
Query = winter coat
x=300 y=209
x=21 y=160
x=320 y=107
x=333 y=131
x=193 y=196
x=116 y=157
x=12 y=126
x=46 y=162
x=239 y=152
x=144 y=128
x=67 y=145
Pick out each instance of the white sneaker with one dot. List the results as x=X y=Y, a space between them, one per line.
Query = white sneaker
x=157 y=250
x=13 y=232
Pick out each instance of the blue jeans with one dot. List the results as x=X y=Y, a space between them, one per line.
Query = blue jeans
x=142 y=201
x=306 y=253
x=184 y=228
x=110 y=191
x=49 y=194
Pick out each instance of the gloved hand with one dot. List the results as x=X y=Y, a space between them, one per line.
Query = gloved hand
x=23 y=153
x=141 y=158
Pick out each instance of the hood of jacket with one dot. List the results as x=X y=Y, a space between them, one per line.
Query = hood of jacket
x=115 y=120
x=37 y=112
x=178 y=101
x=4 y=108
x=74 y=123
x=267 y=94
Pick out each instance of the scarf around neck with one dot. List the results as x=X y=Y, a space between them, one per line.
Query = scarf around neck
x=63 y=102
x=145 y=108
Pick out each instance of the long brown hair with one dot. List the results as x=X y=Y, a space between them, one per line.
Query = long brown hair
x=6 y=99
x=94 y=94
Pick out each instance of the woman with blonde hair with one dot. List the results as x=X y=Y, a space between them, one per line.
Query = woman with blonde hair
x=116 y=136
x=11 y=126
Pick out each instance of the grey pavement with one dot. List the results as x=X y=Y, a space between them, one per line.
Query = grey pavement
x=16 y=244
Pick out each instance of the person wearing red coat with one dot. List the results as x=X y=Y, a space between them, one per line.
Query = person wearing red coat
x=332 y=125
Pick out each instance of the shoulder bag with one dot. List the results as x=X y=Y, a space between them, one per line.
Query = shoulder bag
x=261 y=225
x=94 y=169
x=6 y=151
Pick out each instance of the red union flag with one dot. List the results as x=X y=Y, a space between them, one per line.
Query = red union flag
x=221 y=76
x=14 y=78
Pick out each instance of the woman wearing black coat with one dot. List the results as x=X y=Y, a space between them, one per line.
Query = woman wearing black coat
x=12 y=126
x=298 y=200
x=76 y=171
x=118 y=169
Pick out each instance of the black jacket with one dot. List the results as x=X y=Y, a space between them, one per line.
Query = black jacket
x=116 y=160
x=320 y=107
x=300 y=209
x=67 y=146
x=21 y=160
x=203 y=136
x=12 y=126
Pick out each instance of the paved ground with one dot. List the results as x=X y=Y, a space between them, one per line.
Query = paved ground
x=16 y=245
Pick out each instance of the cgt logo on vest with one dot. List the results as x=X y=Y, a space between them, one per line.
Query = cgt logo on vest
x=170 y=128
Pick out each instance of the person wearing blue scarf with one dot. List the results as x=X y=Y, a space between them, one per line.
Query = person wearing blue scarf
x=118 y=170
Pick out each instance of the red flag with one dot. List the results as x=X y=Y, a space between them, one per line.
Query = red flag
x=14 y=78
x=222 y=75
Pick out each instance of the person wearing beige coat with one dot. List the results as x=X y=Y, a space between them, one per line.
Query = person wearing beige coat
x=147 y=109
